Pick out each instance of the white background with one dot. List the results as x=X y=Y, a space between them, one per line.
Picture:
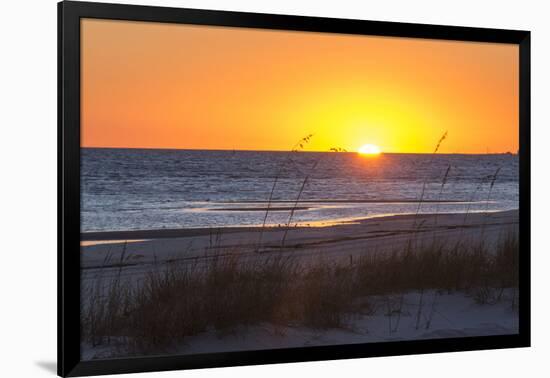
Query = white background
x=28 y=186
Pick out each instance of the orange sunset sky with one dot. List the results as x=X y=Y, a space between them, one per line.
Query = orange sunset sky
x=154 y=85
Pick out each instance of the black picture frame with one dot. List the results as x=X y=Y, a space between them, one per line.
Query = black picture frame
x=69 y=15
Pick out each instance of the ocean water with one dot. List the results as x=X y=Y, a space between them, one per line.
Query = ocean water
x=138 y=189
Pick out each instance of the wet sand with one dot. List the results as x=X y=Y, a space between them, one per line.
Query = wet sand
x=342 y=241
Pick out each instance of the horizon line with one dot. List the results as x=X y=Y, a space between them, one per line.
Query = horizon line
x=313 y=151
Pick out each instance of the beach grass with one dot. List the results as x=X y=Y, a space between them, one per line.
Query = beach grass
x=175 y=302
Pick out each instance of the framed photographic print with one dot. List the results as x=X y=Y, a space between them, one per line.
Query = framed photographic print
x=239 y=188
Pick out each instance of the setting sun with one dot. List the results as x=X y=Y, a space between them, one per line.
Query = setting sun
x=369 y=149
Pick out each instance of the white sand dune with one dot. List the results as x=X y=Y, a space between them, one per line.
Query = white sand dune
x=455 y=315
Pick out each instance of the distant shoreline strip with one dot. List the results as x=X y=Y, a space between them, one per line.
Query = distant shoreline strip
x=133 y=235
x=348 y=201
x=272 y=208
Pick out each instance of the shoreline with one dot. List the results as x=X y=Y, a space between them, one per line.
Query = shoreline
x=142 y=235
x=139 y=250
x=353 y=201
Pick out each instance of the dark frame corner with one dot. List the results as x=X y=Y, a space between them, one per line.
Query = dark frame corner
x=69 y=15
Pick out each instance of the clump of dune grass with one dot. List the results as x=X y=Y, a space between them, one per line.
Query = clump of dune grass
x=225 y=294
x=411 y=243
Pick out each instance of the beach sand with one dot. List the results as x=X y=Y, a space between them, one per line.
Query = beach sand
x=354 y=238
x=133 y=254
